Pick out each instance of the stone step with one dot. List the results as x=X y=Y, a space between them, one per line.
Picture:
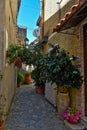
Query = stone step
x=84 y=121
x=70 y=126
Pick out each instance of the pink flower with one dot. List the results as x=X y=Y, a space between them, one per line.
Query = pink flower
x=72 y=115
x=66 y=116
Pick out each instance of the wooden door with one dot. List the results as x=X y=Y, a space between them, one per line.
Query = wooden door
x=85 y=66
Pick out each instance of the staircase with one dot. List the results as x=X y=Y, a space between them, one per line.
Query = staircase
x=82 y=125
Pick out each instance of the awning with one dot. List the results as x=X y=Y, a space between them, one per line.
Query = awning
x=71 y=19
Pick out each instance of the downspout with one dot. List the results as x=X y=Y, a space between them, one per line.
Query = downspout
x=42 y=18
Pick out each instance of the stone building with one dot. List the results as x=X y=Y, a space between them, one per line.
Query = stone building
x=65 y=23
x=21 y=35
x=8 y=23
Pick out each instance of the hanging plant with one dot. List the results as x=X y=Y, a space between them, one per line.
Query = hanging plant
x=12 y=53
x=18 y=62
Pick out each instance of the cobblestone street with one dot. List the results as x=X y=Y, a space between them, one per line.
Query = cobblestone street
x=31 y=111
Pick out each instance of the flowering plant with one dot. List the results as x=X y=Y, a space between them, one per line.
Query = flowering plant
x=72 y=115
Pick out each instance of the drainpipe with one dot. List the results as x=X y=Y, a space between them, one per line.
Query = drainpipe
x=42 y=18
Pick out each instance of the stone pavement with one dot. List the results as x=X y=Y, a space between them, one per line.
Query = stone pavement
x=31 y=111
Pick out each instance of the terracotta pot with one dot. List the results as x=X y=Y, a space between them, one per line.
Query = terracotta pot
x=27 y=79
x=7 y=55
x=1 y=125
x=62 y=89
x=18 y=84
x=62 y=102
x=72 y=122
x=39 y=90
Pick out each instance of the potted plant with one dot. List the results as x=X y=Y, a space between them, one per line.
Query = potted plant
x=18 y=62
x=72 y=115
x=20 y=79
x=27 y=78
x=38 y=80
x=38 y=75
x=61 y=69
x=37 y=59
x=13 y=54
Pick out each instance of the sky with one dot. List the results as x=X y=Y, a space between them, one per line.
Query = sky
x=28 y=15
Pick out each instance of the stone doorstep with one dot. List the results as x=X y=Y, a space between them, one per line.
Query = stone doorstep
x=78 y=126
x=84 y=121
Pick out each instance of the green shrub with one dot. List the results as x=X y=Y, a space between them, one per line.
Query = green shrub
x=61 y=68
x=20 y=77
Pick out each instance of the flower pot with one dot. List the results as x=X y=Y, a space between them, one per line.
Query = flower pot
x=72 y=93
x=18 y=84
x=7 y=54
x=39 y=90
x=62 y=89
x=62 y=102
x=72 y=122
x=2 y=125
x=27 y=79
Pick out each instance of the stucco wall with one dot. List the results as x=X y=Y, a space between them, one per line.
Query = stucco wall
x=53 y=6
x=8 y=15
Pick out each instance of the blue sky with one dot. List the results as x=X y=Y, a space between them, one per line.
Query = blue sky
x=28 y=15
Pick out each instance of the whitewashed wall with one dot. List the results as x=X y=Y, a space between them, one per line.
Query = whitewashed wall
x=51 y=93
x=51 y=7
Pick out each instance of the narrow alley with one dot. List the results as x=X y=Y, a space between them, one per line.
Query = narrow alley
x=43 y=43
x=31 y=111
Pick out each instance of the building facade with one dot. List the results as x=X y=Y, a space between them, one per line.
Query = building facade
x=72 y=36
x=8 y=13
x=21 y=35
